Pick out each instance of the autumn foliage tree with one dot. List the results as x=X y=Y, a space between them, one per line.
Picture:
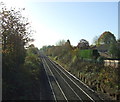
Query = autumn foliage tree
x=106 y=38
x=83 y=44
x=15 y=35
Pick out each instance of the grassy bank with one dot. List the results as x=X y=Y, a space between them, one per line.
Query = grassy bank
x=103 y=80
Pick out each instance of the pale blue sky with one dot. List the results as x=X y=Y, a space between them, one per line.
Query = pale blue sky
x=54 y=21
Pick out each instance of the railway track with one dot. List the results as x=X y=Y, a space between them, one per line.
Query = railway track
x=65 y=86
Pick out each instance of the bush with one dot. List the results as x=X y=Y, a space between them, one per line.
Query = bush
x=100 y=59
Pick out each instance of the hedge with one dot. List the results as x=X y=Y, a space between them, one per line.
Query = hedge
x=88 y=54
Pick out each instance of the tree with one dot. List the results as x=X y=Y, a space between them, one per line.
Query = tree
x=106 y=38
x=95 y=40
x=32 y=59
x=118 y=40
x=15 y=35
x=67 y=46
x=60 y=43
x=113 y=50
x=83 y=44
x=32 y=49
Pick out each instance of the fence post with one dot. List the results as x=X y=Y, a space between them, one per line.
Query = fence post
x=118 y=97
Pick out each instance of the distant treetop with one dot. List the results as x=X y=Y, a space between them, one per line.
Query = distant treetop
x=83 y=44
x=106 y=38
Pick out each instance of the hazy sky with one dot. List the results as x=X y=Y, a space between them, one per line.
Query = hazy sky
x=54 y=21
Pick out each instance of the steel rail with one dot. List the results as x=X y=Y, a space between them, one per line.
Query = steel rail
x=74 y=82
x=67 y=84
x=49 y=82
x=57 y=82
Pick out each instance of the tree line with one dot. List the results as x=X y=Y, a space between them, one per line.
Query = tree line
x=107 y=41
x=20 y=61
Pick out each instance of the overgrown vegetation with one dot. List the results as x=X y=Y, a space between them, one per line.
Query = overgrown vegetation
x=86 y=64
x=20 y=65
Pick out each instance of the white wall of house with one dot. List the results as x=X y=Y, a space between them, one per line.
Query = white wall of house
x=112 y=63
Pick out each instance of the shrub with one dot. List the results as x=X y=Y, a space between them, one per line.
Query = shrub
x=100 y=59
